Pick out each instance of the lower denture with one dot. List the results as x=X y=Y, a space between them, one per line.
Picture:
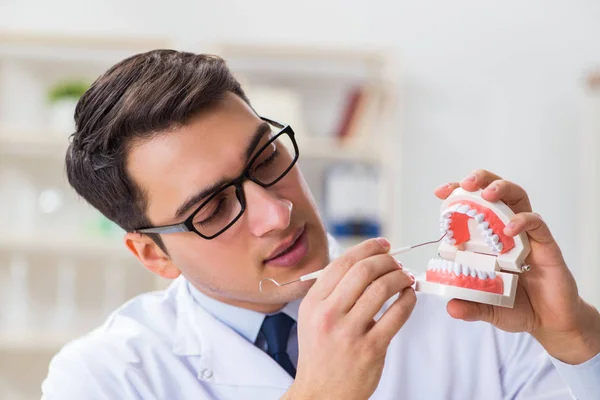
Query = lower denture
x=494 y=285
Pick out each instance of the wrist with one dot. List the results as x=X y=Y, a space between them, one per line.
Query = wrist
x=576 y=346
x=295 y=392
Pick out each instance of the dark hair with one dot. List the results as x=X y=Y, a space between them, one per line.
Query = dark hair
x=143 y=95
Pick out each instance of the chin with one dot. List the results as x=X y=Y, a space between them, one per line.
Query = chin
x=295 y=291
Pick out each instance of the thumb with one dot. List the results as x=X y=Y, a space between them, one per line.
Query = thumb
x=469 y=311
x=533 y=224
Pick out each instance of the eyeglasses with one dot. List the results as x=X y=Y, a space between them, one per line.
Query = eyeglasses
x=227 y=204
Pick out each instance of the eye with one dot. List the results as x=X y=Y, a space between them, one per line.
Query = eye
x=270 y=159
x=219 y=209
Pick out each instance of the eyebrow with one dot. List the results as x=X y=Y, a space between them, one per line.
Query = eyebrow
x=261 y=130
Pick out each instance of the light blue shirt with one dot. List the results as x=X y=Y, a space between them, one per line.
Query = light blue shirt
x=180 y=344
x=246 y=322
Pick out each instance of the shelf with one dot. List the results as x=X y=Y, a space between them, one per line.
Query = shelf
x=324 y=62
x=326 y=148
x=63 y=246
x=78 y=49
x=53 y=146
x=35 y=341
x=22 y=143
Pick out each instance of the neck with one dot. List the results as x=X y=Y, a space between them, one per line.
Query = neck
x=265 y=308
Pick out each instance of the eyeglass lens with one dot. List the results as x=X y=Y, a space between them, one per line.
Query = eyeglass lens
x=224 y=206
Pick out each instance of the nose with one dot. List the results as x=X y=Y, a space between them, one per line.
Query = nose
x=265 y=210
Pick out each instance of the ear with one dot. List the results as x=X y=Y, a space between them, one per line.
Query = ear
x=151 y=255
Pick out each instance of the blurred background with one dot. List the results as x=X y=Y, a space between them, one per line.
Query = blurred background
x=389 y=100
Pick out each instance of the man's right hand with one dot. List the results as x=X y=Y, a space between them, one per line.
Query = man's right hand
x=342 y=348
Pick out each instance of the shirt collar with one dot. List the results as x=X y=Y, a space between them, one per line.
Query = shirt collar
x=245 y=322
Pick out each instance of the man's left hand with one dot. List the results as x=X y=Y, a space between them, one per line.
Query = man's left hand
x=547 y=303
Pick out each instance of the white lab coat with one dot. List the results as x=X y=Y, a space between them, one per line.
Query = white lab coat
x=163 y=345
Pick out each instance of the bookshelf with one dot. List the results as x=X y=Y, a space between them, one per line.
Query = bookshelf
x=64 y=268
x=68 y=243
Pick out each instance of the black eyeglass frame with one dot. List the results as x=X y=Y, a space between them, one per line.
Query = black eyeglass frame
x=188 y=224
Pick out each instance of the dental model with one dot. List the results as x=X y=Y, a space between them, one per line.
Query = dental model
x=475 y=251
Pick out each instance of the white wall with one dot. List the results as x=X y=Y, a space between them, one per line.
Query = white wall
x=494 y=85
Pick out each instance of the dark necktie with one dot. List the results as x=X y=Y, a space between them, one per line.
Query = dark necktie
x=276 y=329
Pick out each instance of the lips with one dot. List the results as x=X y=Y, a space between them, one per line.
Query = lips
x=291 y=251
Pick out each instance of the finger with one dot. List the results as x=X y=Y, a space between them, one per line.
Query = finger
x=470 y=311
x=358 y=278
x=531 y=223
x=335 y=271
x=508 y=192
x=369 y=303
x=478 y=179
x=394 y=317
x=444 y=191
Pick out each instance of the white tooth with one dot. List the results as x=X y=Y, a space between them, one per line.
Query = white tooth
x=431 y=264
x=483 y=226
x=499 y=247
x=479 y=218
x=457 y=269
x=455 y=207
x=446 y=214
x=449 y=234
x=492 y=275
x=449 y=241
x=494 y=239
x=471 y=213
x=488 y=232
x=466 y=270
x=445 y=224
x=473 y=272
x=463 y=209
x=444 y=265
x=481 y=274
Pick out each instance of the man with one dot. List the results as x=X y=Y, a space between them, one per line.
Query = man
x=168 y=146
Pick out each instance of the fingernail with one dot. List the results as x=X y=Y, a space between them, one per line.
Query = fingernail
x=492 y=188
x=399 y=264
x=511 y=225
x=470 y=178
x=412 y=277
x=444 y=186
x=383 y=242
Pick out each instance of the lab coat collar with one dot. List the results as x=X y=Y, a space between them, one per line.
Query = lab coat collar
x=219 y=354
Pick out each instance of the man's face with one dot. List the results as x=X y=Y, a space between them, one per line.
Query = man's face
x=177 y=165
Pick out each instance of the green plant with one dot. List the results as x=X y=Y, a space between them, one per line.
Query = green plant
x=67 y=90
